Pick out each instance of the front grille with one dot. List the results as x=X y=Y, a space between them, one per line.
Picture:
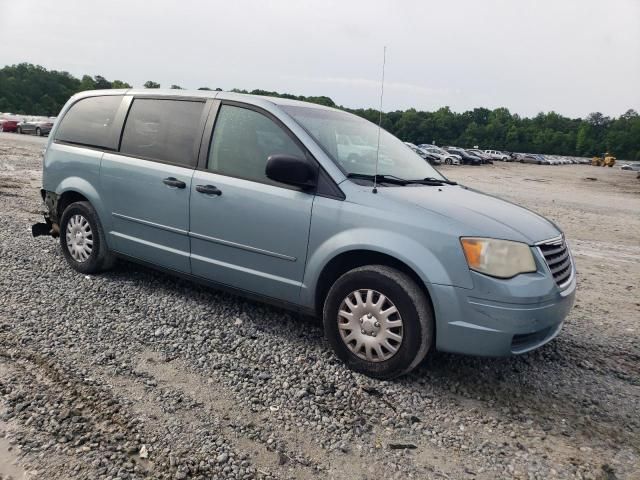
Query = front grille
x=556 y=253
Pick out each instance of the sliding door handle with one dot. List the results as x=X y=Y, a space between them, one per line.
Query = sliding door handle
x=174 y=182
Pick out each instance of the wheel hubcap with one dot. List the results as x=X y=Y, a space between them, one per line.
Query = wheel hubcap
x=79 y=238
x=370 y=325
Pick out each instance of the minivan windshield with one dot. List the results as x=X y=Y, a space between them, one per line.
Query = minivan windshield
x=352 y=143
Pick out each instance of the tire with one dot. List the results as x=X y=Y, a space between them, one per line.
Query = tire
x=38 y=132
x=413 y=310
x=18 y=130
x=80 y=225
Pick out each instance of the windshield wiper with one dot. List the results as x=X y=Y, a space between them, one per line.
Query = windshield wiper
x=431 y=180
x=379 y=178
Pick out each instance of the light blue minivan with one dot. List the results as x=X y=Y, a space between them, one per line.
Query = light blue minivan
x=310 y=208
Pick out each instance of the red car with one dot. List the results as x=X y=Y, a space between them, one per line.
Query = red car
x=8 y=125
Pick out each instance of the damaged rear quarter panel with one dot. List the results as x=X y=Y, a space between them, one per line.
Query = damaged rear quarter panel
x=75 y=169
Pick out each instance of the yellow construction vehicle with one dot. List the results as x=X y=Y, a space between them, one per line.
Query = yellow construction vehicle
x=606 y=160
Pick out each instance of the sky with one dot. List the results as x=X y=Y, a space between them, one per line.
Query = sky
x=570 y=56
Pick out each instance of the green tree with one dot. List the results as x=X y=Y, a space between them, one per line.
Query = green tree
x=151 y=84
x=32 y=89
x=119 y=84
x=87 y=83
x=176 y=87
x=101 y=83
x=584 y=145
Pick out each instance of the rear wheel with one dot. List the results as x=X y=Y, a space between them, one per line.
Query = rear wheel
x=448 y=161
x=38 y=132
x=82 y=239
x=18 y=130
x=378 y=321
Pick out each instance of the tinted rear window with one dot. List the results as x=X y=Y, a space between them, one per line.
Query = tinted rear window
x=90 y=122
x=163 y=130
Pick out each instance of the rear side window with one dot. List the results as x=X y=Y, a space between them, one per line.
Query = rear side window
x=243 y=139
x=90 y=122
x=163 y=130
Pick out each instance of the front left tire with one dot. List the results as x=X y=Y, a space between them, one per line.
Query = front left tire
x=378 y=321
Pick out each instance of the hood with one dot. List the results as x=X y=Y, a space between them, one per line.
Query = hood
x=478 y=214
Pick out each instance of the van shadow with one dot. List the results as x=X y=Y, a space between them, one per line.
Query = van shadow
x=148 y=277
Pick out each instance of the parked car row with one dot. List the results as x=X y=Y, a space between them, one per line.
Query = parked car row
x=635 y=167
x=435 y=155
x=452 y=155
x=540 y=159
x=35 y=125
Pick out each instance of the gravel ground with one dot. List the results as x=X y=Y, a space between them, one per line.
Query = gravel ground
x=136 y=374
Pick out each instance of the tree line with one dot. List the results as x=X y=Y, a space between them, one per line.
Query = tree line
x=34 y=90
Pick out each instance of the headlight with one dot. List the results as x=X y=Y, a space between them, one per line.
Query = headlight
x=498 y=258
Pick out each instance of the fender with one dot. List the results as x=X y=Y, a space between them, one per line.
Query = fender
x=422 y=260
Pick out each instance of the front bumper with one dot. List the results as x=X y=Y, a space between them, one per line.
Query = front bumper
x=515 y=324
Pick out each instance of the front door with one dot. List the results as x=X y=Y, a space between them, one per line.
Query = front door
x=248 y=231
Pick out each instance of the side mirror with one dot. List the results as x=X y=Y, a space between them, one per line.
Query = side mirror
x=291 y=170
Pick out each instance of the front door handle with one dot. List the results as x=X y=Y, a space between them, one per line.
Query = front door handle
x=174 y=182
x=208 y=190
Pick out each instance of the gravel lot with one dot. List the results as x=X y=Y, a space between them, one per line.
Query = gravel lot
x=136 y=374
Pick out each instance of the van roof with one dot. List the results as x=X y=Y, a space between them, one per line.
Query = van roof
x=241 y=97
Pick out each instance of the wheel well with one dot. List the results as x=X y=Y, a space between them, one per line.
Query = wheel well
x=66 y=199
x=346 y=261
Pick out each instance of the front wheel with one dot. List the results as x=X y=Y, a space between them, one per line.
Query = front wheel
x=378 y=321
x=38 y=132
x=82 y=239
x=18 y=130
